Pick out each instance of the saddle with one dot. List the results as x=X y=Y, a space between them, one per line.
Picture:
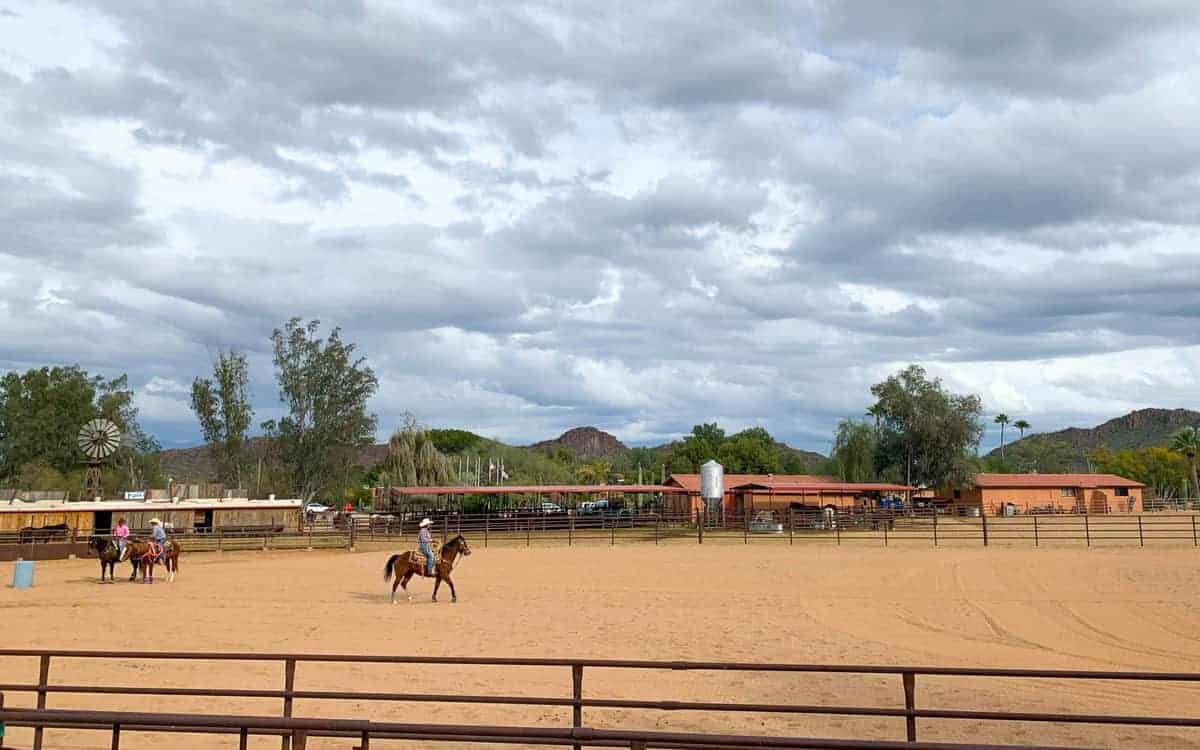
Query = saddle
x=418 y=557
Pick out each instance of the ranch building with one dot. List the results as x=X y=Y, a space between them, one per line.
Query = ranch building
x=184 y=516
x=781 y=492
x=1005 y=494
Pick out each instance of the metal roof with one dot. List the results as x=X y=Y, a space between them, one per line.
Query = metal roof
x=149 y=506
x=805 y=488
x=691 y=482
x=1050 y=481
x=532 y=489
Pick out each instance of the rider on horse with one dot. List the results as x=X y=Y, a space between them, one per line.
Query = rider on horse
x=159 y=535
x=121 y=535
x=425 y=541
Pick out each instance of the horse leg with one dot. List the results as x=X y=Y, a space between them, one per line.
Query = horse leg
x=172 y=568
x=395 y=584
x=133 y=575
x=453 y=593
x=404 y=584
x=437 y=582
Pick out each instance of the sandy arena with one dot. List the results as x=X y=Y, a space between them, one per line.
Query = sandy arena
x=1038 y=608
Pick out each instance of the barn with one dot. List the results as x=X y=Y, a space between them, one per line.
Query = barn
x=184 y=516
x=779 y=492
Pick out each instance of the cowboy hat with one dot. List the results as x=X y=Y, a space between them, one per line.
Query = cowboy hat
x=425 y=522
x=154 y=521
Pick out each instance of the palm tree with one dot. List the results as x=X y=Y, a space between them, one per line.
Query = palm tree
x=1187 y=442
x=1021 y=425
x=1001 y=419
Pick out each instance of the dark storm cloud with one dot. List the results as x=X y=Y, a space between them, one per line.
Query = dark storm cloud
x=567 y=214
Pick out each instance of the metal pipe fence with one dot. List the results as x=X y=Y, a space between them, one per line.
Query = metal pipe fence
x=944 y=527
x=293 y=730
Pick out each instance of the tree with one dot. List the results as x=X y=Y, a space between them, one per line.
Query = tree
x=41 y=411
x=595 y=472
x=927 y=434
x=1187 y=443
x=222 y=406
x=696 y=448
x=1001 y=419
x=1021 y=425
x=1159 y=468
x=750 y=451
x=854 y=451
x=413 y=459
x=325 y=390
x=1039 y=453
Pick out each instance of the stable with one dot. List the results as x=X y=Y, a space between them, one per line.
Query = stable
x=80 y=519
x=779 y=492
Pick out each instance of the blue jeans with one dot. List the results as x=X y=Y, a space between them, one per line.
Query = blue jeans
x=428 y=552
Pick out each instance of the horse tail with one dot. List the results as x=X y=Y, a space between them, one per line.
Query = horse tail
x=387 y=568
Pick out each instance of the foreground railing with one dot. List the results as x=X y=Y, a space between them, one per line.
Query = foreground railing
x=577 y=702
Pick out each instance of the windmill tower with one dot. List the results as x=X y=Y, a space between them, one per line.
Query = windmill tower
x=98 y=439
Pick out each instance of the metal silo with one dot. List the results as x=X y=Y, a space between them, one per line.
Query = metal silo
x=712 y=486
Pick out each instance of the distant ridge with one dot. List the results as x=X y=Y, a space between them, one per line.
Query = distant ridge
x=1144 y=428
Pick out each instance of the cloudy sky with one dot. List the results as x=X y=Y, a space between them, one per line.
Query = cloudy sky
x=532 y=216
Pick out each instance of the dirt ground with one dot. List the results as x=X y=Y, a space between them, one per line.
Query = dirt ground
x=1040 y=608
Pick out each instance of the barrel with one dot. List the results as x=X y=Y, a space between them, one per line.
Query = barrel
x=23 y=574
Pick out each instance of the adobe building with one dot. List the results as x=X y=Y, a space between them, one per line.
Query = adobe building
x=999 y=494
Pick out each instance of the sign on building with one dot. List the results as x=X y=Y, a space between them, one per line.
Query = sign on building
x=138 y=495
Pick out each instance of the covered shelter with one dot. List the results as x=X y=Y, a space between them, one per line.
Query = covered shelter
x=1004 y=494
x=750 y=492
x=529 y=496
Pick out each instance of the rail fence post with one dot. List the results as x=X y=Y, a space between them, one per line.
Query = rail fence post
x=612 y=530
x=116 y=737
x=487 y=518
x=220 y=539
x=43 y=683
x=1195 y=542
x=1035 y=532
x=577 y=697
x=837 y=528
x=701 y=517
x=1141 y=539
x=1087 y=530
x=243 y=738
x=884 y=524
x=656 y=529
x=910 y=705
x=791 y=527
x=528 y=526
x=983 y=517
x=571 y=527
x=935 y=539
x=289 y=685
x=1 y=722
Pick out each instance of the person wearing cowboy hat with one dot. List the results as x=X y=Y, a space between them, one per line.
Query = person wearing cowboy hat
x=159 y=535
x=425 y=541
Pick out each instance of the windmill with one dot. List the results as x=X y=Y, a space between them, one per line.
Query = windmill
x=98 y=439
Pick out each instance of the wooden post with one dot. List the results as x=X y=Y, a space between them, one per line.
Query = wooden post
x=656 y=529
x=577 y=697
x=116 y=737
x=487 y=518
x=884 y=523
x=43 y=683
x=1195 y=541
x=791 y=527
x=1087 y=531
x=612 y=530
x=1 y=722
x=700 y=518
x=935 y=539
x=528 y=526
x=1141 y=539
x=445 y=529
x=1035 y=531
x=243 y=739
x=571 y=527
x=837 y=528
x=910 y=704
x=983 y=517
x=289 y=685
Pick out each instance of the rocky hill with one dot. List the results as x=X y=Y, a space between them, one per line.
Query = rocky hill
x=588 y=443
x=1143 y=428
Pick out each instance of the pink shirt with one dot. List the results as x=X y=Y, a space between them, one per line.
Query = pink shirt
x=121 y=532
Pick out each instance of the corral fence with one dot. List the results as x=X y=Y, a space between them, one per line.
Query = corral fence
x=943 y=527
x=294 y=731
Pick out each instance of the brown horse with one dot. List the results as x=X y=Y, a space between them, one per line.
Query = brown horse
x=408 y=564
x=144 y=554
x=109 y=554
